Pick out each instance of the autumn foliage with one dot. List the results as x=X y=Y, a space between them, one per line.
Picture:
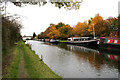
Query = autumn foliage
x=101 y=27
x=53 y=32
x=81 y=29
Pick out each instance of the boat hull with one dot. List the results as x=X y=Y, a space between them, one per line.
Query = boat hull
x=54 y=42
x=88 y=43
x=113 y=43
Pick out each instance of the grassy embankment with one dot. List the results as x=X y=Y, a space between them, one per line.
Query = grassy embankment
x=63 y=41
x=10 y=64
x=32 y=66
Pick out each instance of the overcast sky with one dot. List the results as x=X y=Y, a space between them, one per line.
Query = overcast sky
x=37 y=19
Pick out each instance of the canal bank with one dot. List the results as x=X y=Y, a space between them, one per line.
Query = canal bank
x=71 y=61
x=24 y=63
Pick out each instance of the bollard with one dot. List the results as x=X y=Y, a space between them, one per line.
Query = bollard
x=41 y=58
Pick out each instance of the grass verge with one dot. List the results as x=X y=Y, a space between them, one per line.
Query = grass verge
x=12 y=66
x=35 y=67
x=63 y=41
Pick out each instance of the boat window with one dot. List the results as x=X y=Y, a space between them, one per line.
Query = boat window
x=82 y=39
x=110 y=41
x=69 y=39
x=76 y=39
x=115 y=41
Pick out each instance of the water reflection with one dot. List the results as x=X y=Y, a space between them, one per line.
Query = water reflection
x=96 y=58
x=71 y=61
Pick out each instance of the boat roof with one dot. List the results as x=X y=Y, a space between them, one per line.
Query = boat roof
x=79 y=37
x=109 y=38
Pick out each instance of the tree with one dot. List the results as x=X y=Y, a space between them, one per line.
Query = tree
x=118 y=23
x=118 y=27
x=59 y=31
x=59 y=25
x=10 y=33
x=41 y=35
x=69 y=5
x=96 y=22
x=112 y=26
x=101 y=28
x=65 y=31
x=53 y=33
x=81 y=29
x=34 y=35
x=48 y=30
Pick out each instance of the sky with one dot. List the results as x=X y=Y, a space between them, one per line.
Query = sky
x=38 y=19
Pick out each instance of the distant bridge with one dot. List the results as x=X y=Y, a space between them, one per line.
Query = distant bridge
x=26 y=37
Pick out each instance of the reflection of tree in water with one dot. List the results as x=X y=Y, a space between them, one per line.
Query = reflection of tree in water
x=113 y=61
x=97 y=60
x=64 y=46
x=119 y=67
x=81 y=55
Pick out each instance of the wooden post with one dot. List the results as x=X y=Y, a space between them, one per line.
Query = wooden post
x=41 y=58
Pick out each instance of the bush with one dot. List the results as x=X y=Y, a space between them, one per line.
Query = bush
x=10 y=33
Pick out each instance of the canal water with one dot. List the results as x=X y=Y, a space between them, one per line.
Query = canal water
x=70 y=61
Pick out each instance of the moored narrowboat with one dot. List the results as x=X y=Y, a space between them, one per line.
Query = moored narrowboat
x=82 y=41
x=54 y=41
x=109 y=42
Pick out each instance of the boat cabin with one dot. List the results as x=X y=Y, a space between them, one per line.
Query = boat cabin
x=105 y=40
x=79 y=38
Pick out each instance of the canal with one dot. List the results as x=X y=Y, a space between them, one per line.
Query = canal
x=70 y=61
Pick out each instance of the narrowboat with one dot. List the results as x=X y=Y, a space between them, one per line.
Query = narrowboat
x=47 y=40
x=109 y=42
x=82 y=41
x=24 y=40
x=54 y=41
